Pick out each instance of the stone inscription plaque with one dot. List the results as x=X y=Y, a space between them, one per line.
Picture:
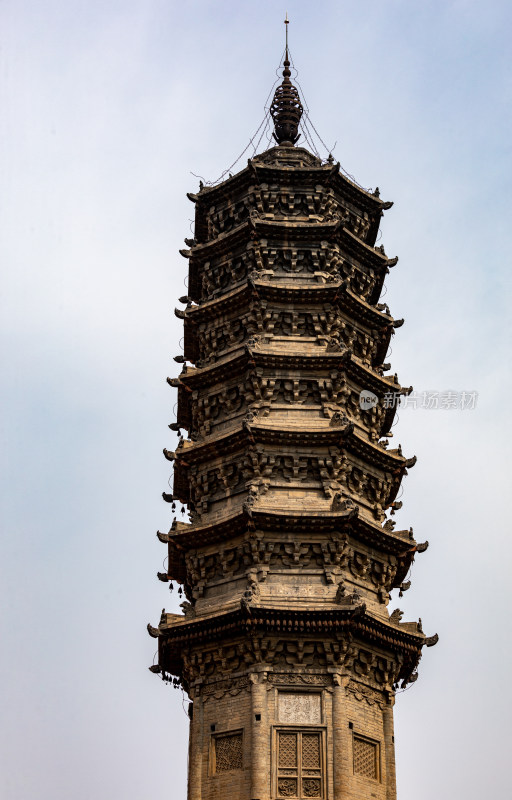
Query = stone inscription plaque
x=300 y=708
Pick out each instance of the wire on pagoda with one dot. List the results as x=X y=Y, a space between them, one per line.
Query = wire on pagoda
x=318 y=135
x=342 y=168
x=308 y=135
x=228 y=170
x=269 y=137
x=183 y=703
x=264 y=124
x=307 y=115
x=278 y=78
x=265 y=129
x=309 y=142
x=406 y=688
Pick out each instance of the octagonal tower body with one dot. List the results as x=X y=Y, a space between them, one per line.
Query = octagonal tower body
x=286 y=647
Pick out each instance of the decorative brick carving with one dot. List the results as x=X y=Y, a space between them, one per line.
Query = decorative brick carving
x=311 y=787
x=222 y=274
x=287 y=750
x=219 y=688
x=362 y=692
x=299 y=679
x=223 y=217
x=287 y=787
x=365 y=757
x=331 y=556
x=228 y=751
x=311 y=757
x=256 y=470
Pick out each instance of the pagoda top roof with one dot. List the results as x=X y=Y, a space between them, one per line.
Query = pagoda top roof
x=285 y=160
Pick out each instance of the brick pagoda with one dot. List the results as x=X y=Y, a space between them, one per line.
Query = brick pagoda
x=286 y=647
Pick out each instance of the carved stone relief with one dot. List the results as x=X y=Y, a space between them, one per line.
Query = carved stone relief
x=298 y=679
x=300 y=708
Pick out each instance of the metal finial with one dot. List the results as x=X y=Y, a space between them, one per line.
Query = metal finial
x=286 y=62
x=286 y=108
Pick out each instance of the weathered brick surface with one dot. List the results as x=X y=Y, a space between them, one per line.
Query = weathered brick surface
x=343 y=717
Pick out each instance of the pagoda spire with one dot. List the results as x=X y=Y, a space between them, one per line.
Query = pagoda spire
x=286 y=108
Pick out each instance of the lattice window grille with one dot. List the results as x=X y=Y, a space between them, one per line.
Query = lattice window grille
x=310 y=751
x=366 y=757
x=299 y=764
x=288 y=750
x=228 y=752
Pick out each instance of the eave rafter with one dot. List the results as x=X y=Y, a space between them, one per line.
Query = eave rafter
x=240 y=438
x=255 y=296
x=336 y=292
x=406 y=640
x=248 y=357
x=185 y=537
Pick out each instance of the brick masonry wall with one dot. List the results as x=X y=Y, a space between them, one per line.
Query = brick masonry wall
x=343 y=717
x=232 y=712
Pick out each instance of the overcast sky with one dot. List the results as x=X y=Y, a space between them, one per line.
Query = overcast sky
x=108 y=108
